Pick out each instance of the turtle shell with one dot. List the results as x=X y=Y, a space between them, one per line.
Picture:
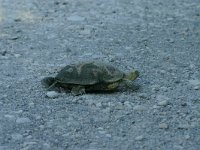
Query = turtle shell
x=89 y=74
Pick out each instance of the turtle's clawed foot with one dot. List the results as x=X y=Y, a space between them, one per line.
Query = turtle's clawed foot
x=78 y=90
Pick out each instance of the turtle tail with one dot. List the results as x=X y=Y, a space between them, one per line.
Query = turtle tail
x=132 y=76
x=48 y=81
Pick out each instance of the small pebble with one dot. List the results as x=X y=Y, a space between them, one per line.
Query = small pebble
x=102 y=132
x=163 y=126
x=178 y=147
x=16 y=136
x=29 y=137
x=23 y=120
x=46 y=145
x=52 y=94
x=196 y=87
x=85 y=31
x=10 y=117
x=99 y=104
x=31 y=104
x=41 y=127
x=139 y=138
x=162 y=100
x=161 y=97
x=119 y=106
x=139 y=108
x=38 y=117
x=127 y=104
x=195 y=82
x=143 y=95
x=163 y=103
x=108 y=135
x=164 y=89
x=156 y=106
x=155 y=88
x=17 y=55
x=187 y=137
x=183 y=126
x=75 y=18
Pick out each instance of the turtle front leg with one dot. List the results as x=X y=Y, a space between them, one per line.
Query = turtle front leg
x=129 y=85
x=78 y=90
x=112 y=86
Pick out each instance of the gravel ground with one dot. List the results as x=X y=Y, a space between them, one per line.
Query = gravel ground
x=159 y=38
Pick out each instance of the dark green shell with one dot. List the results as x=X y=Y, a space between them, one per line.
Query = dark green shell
x=89 y=74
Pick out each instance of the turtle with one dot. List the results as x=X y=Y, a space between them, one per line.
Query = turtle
x=89 y=77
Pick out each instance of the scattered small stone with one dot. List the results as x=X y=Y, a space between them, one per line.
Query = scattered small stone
x=183 y=126
x=3 y=53
x=187 y=137
x=155 y=88
x=163 y=126
x=162 y=72
x=52 y=94
x=31 y=104
x=163 y=103
x=14 y=38
x=143 y=95
x=102 y=132
x=38 y=117
x=119 y=106
x=85 y=31
x=17 y=20
x=75 y=18
x=29 y=137
x=23 y=120
x=108 y=135
x=106 y=110
x=4 y=57
x=28 y=145
x=162 y=100
x=16 y=136
x=99 y=104
x=18 y=111
x=183 y=104
x=164 y=89
x=41 y=127
x=127 y=104
x=195 y=82
x=139 y=138
x=170 y=40
x=139 y=108
x=156 y=106
x=17 y=55
x=10 y=117
x=196 y=87
x=47 y=146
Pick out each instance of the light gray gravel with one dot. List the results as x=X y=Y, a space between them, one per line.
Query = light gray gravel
x=159 y=38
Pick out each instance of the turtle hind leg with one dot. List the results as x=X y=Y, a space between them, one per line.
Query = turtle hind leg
x=78 y=90
x=47 y=82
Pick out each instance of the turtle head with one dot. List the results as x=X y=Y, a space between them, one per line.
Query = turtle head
x=132 y=76
x=127 y=80
x=47 y=81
